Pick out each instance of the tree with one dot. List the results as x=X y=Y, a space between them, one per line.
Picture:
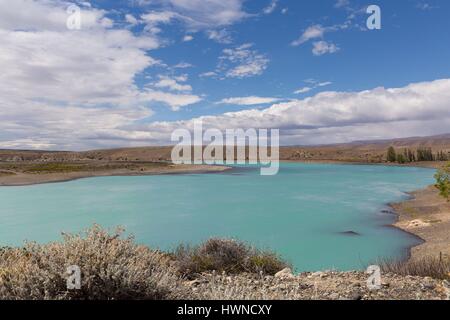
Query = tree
x=405 y=155
x=425 y=154
x=441 y=156
x=443 y=181
x=401 y=158
x=411 y=156
x=391 y=155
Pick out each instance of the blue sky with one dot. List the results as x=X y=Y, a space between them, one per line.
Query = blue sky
x=137 y=69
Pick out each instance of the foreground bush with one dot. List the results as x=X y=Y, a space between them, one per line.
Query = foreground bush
x=228 y=256
x=436 y=268
x=443 y=181
x=111 y=267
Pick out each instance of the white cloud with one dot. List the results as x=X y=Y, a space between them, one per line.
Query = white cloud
x=41 y=125
x=313 y=85
x=425 y=6
x=199 y=14
x=131 y=19
x=50 y=15
x=211 y=16
x=182 y=65
x=175 y=101
x=208 y=74
x=173 y=84
x=328 y=117
x=60 y=87
x=220 y=36
x=248 y=101
x=188 y=38
x=303 y=90
x=271 y=7
x=245 y=62
x=318 y=31
x=312 y=32
x=323 y=47
x=342 y=3
x=181 y=78
x=28 y=144
x=239 y=62
x=156 y=17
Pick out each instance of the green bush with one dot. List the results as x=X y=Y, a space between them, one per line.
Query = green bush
x=391 y=155
x=443 y=181
x=228 y=256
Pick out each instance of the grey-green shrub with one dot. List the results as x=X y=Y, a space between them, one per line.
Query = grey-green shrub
x=229 y=256
x=112 y=268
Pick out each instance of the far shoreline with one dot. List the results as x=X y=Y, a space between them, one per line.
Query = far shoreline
x=426 y=215
x=24 y=179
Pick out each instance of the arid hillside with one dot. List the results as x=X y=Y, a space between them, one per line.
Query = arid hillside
x=366 y=151
x=363 y=151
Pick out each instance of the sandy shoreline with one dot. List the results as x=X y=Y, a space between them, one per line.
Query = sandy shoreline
x=26 y=179
x=427 y=216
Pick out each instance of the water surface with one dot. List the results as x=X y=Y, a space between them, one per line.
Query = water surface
x=303 y=212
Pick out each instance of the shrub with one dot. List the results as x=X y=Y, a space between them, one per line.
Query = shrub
x=228 y=256
x=401 y=158
x=391 y=155
x=111 y=267
x=443 y=181
x=437 y=268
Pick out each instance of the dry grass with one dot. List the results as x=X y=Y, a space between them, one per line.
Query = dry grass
x=230 y=256
x=54 y=168
x=77 y=166
x=6 y=173
x=437 y=268
x=112 y=268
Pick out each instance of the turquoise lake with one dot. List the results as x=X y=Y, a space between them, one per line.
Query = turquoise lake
x=303 y=213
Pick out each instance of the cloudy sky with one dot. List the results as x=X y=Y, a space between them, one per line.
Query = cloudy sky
x=138 y=69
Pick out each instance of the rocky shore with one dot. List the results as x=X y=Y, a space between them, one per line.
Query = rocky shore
x=426 y=215
x=317 y=286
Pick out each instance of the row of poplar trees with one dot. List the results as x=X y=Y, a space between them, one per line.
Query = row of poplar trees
x=422 y=154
